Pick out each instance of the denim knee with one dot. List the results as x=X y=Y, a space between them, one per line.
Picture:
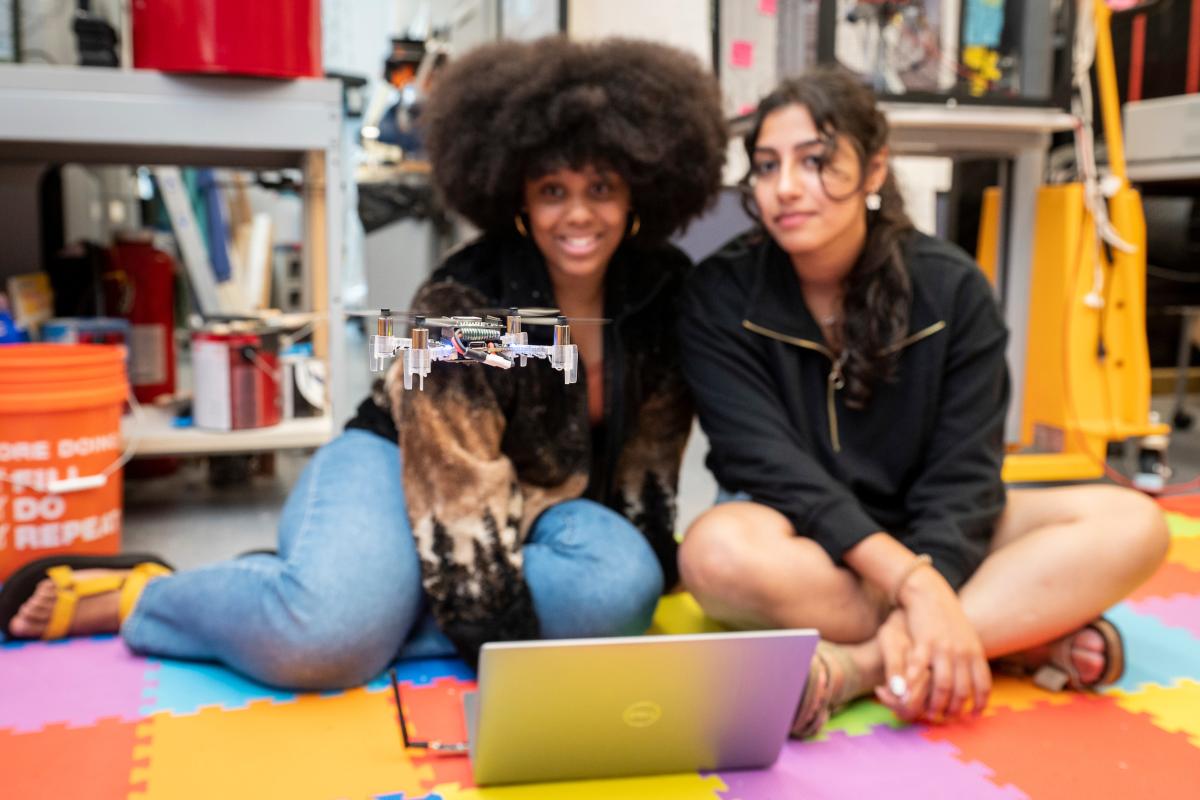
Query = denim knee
x=591 y=572
x=318 y=654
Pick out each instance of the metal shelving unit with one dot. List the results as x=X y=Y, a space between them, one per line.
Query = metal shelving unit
x=156 y=436
x=88 y=115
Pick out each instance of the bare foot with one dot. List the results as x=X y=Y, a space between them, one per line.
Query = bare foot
x=95 y=614
x=1087 y=654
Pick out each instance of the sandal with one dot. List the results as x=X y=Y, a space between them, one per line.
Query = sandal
x=61 y=569
x=1059 y=672
x=820 y=700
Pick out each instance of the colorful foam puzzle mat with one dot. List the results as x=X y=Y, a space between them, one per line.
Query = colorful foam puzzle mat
x=86 y=719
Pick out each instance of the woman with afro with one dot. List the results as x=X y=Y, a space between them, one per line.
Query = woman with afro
x=495 y=504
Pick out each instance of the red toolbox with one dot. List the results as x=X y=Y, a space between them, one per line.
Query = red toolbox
x=273 y=38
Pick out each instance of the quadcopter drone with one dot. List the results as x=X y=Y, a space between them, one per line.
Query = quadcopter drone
x=485 y=339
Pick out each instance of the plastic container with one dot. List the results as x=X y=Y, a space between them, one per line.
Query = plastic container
x=270 y=38
x=60 y=419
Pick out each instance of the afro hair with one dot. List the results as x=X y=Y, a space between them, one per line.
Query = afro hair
x=510 y=111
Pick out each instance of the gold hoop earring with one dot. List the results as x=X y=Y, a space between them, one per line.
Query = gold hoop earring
x=637 y=226
x=520 y=226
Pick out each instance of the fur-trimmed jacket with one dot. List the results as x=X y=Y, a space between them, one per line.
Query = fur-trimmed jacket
x=485 y=451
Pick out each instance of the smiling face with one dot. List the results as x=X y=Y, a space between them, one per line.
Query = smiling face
x=577 y=218
x=809 y=186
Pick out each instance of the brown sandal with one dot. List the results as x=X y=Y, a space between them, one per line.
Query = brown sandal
x=821 y=700
x=1059 y=672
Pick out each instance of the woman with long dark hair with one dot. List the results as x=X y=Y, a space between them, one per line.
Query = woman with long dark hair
x=849 y=372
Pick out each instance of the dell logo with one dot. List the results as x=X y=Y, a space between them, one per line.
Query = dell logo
x=642 y=714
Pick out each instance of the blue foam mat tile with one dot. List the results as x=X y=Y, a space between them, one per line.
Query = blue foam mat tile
x=1156 y=654
x=423 y=671
x=184 y=687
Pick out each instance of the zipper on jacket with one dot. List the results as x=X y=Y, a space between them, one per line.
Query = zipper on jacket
x=834 y=382
x=837 y=379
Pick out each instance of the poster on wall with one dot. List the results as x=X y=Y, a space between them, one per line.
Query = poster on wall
x=900 y=46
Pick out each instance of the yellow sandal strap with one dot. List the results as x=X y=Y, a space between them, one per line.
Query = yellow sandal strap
x=134 y=583
x=68 y=591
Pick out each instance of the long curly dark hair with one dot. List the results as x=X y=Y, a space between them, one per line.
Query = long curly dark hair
x=877 y=291
x=510 y=111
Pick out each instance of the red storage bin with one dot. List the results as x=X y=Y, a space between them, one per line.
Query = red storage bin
x=273 y=38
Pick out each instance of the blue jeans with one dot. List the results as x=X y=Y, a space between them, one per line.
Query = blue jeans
x=343 y=598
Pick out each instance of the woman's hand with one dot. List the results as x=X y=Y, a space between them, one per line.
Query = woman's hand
x=905 y=682
x=945 y=644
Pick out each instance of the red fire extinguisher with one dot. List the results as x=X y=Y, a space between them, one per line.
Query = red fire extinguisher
x=141 y=288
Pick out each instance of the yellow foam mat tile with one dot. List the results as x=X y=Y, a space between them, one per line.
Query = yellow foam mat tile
x=653 y=787
x=1173 y=708
x=1185 y=550
x=680 y=613
x=1182 y=525
x=344 y=745
x=1020 y=694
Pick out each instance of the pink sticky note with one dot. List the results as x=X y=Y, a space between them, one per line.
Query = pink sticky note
x=766 y=7
x=741 y=54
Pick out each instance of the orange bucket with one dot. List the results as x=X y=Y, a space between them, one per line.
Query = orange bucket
x=60 y=418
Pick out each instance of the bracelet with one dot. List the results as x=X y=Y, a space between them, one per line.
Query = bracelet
x=920 y=561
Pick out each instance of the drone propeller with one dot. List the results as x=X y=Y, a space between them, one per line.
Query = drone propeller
x=403 y=316
x=520 y=312
x=565 y=320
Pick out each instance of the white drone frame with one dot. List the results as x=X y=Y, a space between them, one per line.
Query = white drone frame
x=418 y=351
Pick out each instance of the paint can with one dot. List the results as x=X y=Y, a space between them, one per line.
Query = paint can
x=236 y=378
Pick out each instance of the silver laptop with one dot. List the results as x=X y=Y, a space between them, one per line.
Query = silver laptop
x=571 y=709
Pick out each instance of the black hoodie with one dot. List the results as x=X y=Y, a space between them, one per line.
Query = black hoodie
x=921 y=461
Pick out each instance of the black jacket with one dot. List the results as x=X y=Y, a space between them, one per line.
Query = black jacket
x=485 y=451
x=921 y=461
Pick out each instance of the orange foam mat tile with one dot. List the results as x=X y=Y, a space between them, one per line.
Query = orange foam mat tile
x=434 y=712
x=1090 y=747
x=1172 y=708
x=1187 y=504
x=1018 y=694
x=321 y=746
x=1169 y=580
x=62 y=762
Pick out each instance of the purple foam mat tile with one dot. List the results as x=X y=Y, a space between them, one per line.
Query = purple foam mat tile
x=897 y=764
x=1177 y=611
x=75 y=682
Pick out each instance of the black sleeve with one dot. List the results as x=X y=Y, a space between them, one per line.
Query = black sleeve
x=754 y=446
x=958 y=495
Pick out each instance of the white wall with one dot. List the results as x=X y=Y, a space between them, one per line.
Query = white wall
x=921 y=178
x=684 y=23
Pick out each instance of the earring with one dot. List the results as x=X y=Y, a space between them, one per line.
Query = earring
x=520 y=226
x=637 y=226
x=874 y=201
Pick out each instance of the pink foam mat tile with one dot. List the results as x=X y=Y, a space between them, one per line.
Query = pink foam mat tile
x=75 y=682
x=896 y=764
x=1176 y=611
